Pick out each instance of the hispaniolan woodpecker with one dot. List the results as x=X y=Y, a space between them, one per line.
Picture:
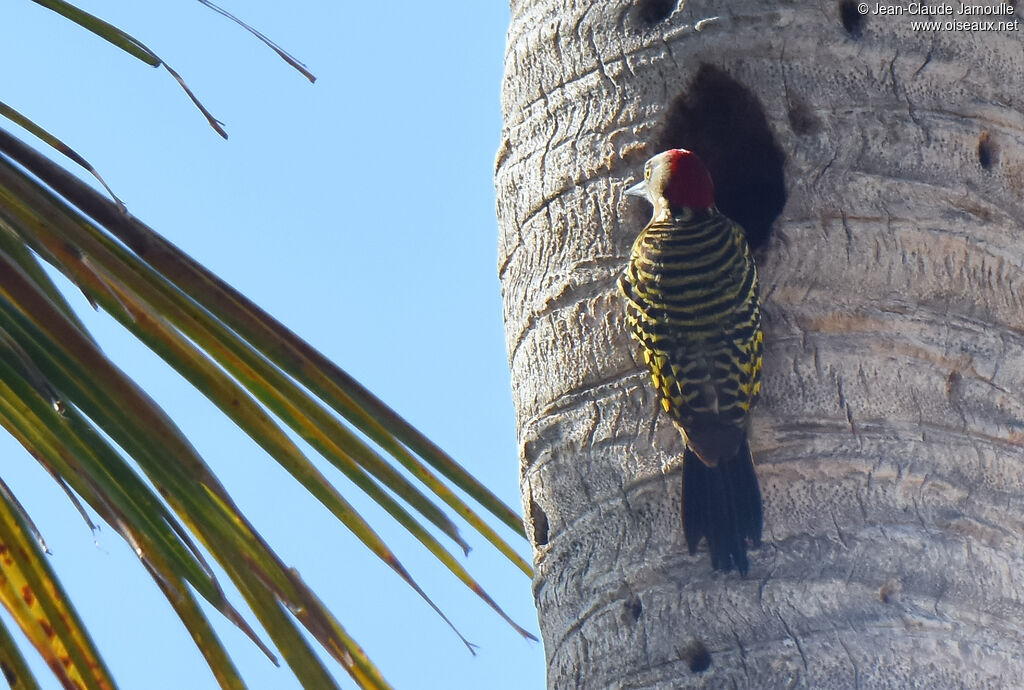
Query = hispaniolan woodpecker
x=691 y=302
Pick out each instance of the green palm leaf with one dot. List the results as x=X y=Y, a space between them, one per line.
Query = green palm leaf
x=62 y=399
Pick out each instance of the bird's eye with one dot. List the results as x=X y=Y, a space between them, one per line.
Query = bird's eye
x=647 y=173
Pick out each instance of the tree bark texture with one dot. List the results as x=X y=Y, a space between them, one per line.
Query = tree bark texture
x=889 y=434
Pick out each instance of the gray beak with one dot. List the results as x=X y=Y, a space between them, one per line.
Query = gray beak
x=639 y=189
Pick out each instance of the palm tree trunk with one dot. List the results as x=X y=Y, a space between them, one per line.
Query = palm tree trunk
x=879 y=169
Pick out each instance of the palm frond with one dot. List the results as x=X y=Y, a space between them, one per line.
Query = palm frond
x=82 y=418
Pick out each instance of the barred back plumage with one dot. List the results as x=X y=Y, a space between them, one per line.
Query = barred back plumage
x=692 y=302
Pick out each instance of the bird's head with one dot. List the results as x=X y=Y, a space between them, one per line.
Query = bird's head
x=675 y=181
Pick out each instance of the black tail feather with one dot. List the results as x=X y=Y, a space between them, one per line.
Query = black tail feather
x=723 y=505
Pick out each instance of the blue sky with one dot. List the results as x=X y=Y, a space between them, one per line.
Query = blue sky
x=359 y=211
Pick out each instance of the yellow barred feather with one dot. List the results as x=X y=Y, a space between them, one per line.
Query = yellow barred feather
x=692 y=302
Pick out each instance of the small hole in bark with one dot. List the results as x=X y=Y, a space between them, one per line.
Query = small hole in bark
x=651 y=12
x=890 y=591
x=987 y=153
x=953 y=382
x=853 y=20
x=540 y=524
x=721 y=121
x=634 y=608
x=697 y=656
x=801 y=118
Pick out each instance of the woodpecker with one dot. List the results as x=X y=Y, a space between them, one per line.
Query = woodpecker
x=691 y=302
